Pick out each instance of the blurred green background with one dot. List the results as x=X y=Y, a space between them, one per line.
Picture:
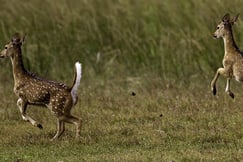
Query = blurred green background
x=120 y=42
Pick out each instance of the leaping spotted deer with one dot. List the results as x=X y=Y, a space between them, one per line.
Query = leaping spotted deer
x=34 y=90
x=233 y=57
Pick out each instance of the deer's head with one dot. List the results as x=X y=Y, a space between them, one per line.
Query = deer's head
x=11 y=47
x=225 y=26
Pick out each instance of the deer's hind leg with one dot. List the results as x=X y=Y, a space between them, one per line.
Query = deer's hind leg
x=227 y=89
x=60 y=128
x=62 y=107
x=61 y=125
x=68 y=118
x=22 y=105
x=73 y=120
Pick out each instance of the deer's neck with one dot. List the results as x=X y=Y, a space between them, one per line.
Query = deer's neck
x=229 y=43
x=18 y=66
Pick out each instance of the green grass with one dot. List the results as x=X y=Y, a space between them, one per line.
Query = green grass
x=161 y=50
x=184 y=126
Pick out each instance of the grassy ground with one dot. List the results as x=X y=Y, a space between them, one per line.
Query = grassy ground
x=164 y=126
x=161 y=50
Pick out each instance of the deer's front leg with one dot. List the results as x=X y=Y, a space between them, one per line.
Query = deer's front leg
x=220 y=71
x=22 y=105
x=227 y=89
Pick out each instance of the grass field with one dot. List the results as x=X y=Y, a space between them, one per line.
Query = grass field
x=159 y=49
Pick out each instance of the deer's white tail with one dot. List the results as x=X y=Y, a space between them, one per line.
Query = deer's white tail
x=76 y=82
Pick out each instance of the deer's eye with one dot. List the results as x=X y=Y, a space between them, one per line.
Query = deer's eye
x=217 y=27
x=5 y=47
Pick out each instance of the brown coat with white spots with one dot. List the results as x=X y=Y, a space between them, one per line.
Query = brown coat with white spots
x=33 y=90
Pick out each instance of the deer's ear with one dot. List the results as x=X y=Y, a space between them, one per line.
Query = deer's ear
x=17 y=39
x=234 y=19
x=226 y=18
x=23 y=38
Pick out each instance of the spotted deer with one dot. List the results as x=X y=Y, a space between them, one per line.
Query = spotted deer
x=33 y=90
x=233 y=57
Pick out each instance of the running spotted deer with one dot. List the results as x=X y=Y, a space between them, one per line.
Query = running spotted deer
x=233 y=57
x=33 y=90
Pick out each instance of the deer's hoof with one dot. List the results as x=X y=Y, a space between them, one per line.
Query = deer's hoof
x=39 y=126
x=232 y=95
x=214 y=90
